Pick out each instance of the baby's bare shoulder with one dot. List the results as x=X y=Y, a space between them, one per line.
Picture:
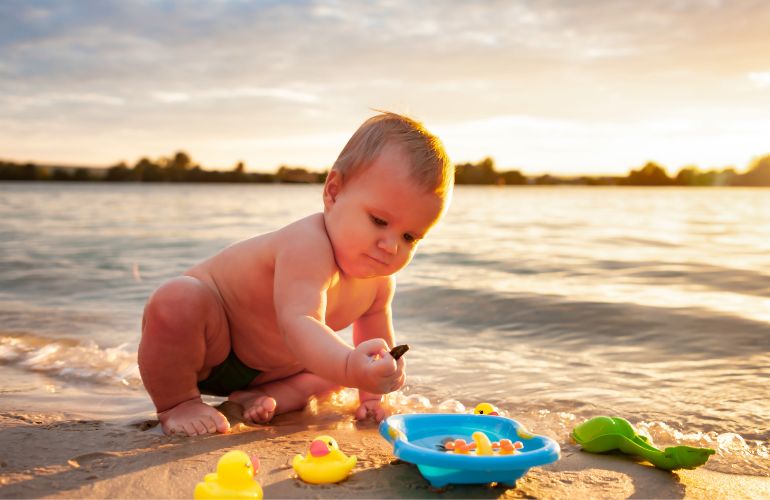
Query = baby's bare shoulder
x=308 y=233
x=305 y=247
x=263 y=249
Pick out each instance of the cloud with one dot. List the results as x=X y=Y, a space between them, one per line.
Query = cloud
x=236 y=93
x=52 y=99
x=760 y=78
x=266 y=44
x=170 y=97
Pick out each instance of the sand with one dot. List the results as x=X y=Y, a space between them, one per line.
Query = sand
x=61 y=455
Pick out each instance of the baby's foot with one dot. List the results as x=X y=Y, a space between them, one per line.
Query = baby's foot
x=261 y=410
x=193 y=418
x=258 y=407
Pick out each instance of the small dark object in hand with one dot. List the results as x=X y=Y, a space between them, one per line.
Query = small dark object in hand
x=399 y=351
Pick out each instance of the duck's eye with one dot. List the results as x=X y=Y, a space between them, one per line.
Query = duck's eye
x=481 y=412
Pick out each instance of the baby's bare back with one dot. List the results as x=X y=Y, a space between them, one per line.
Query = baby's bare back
x=243 y=277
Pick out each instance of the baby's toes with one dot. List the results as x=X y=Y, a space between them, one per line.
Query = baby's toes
x=252 y=414
x=263 y=409
x=268 y=404
x=219 y=423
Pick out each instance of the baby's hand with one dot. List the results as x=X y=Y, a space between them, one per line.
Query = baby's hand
x=371 y=408
x=373 y=369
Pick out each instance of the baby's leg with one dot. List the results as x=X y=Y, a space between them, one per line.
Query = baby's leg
x=184 y=335
x=262 y=402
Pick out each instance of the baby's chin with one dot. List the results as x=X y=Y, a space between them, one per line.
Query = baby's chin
x=361 y=275
x=360 y=272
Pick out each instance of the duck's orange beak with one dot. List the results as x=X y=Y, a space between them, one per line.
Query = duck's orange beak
x=493 y=413
x=318 y=448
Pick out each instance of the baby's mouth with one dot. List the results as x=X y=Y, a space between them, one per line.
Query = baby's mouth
x=378 y=261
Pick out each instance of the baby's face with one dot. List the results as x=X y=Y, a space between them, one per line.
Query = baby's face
x=377 y=217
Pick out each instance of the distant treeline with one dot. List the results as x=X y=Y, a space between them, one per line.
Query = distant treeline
x=181 y=168
x=650 y=174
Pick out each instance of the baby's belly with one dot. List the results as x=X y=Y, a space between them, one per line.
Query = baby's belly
x=253 y=331
x=261 y=346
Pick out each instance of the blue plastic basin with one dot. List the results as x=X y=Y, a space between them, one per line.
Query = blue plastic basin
x=419 y=439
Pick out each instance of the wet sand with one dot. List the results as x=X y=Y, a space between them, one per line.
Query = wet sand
x=60 y=455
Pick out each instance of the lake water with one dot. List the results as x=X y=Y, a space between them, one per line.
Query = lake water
x=556 y=304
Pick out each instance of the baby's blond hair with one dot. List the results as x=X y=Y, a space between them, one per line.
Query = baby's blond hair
x=429 y=163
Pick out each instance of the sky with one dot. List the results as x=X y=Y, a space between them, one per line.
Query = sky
x=560 y=87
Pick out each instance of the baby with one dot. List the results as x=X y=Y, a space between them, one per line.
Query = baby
x=256 y=321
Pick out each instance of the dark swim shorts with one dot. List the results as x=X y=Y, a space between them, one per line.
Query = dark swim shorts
x=231 y=375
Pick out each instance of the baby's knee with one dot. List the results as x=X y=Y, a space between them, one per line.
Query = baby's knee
x=179 y=299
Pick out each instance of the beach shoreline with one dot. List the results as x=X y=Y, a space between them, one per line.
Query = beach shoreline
x=64 y=455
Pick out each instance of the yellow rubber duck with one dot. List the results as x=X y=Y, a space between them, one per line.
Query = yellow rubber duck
x=485 y=409
x=483 y=444
x=234 y=478
x=324 y=463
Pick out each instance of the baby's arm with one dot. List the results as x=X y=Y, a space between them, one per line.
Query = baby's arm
x=300 y=285
x=377 y=323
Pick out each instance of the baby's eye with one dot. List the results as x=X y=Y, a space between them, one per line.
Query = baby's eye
x=379 y=222
x=409 y=238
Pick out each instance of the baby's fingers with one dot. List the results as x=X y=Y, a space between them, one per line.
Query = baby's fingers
x=384 y=367
x=362 y=412
x=374 y=347
x=399 y=372
x=399 y=383
x=379 y=414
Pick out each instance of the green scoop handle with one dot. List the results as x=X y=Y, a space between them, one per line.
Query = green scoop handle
x=603 y=434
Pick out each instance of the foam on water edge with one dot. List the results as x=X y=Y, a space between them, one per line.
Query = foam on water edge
x=70 y=360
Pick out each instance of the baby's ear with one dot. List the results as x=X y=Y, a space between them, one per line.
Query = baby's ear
x=332 y=188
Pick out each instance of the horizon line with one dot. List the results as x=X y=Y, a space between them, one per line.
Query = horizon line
x=497 y=168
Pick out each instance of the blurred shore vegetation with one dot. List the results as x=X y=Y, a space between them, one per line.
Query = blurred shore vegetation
x=181 y=168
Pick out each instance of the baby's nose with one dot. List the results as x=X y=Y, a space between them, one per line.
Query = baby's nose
x=388 y=244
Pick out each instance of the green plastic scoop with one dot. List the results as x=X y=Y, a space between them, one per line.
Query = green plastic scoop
x=603 y=434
